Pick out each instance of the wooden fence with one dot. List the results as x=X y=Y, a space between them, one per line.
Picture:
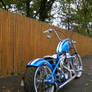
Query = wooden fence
x=22 y=39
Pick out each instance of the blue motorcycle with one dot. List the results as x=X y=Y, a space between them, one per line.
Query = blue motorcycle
x=50 y=73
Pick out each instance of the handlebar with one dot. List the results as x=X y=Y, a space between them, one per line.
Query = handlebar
x=52 y=30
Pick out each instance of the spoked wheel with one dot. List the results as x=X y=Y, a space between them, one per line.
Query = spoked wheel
x=77 y=62
x=35 y=77
x=40 y=77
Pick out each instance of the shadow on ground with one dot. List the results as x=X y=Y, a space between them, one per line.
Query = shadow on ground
x=84 y=84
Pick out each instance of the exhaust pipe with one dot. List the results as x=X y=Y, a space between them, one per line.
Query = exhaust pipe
x=67 y=81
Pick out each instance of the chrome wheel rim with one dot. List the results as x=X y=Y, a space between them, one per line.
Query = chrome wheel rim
x=40 y=76
x=78 y=66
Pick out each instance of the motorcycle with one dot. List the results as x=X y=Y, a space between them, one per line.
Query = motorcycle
x=50 y=73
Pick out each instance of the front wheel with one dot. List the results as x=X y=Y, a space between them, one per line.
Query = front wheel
x=78 y=66
x=34 y=78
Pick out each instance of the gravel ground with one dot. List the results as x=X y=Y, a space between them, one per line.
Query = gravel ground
x=11 y=84
x=84 y=84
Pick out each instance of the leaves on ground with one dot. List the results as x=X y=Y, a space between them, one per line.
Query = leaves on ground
x=86 y=84
x=91 y=67
x=3 y=86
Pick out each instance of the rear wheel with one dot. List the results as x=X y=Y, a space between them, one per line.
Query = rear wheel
x=34 y=78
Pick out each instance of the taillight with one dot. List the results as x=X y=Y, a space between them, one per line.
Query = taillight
x=22 y=82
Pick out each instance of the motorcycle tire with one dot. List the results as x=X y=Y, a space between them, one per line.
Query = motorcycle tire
x=29 y=80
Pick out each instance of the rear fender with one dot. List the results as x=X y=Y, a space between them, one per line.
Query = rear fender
x=39 y=62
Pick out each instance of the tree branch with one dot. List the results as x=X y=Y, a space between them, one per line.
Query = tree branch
x=28 y=8
x=3 y=4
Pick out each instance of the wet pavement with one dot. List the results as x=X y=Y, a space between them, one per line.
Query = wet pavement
x=83 y=84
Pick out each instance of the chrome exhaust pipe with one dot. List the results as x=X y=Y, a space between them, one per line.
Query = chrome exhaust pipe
x=71 y=77
x=67 y=81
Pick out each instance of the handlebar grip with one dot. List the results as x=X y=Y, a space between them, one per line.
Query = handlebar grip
x=47 y=31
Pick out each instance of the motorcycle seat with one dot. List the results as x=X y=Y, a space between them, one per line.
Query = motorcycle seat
x=54 y=56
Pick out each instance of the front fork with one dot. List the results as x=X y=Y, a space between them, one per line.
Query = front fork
x=74 y=48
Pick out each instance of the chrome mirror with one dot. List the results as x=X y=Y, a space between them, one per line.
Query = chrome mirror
x=49 y=36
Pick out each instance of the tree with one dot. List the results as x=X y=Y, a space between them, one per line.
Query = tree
x=45 y=8
x=3 y=4
x=74 y=11
x=66 y=12
x=37 y=9
x=84 y=14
